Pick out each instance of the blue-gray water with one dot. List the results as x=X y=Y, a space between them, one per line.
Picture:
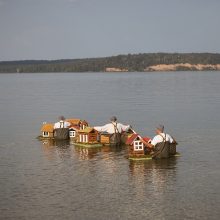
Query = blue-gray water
x=53 y=182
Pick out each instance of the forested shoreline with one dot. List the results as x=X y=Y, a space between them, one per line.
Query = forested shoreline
x=121 y=63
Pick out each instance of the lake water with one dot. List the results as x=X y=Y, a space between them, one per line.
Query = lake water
x=43 y=181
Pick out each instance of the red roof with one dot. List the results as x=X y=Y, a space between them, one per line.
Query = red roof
x=146 y=139
x=131 y=139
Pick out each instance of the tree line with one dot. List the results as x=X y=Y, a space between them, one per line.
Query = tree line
x=130 y=62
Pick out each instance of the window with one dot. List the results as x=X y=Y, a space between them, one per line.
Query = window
x=85 y=138
x=138 y=145
x=45 y=134
x=72 y=133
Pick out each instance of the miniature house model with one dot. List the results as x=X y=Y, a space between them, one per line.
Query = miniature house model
x=47 y=130
x=88 y=135
x=105 y=138
x=137 y=145
x=81 y=124
x=76 y=126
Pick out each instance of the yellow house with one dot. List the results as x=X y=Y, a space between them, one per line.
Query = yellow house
x=47 y=130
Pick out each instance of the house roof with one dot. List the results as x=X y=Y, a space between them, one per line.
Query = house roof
x=84 y=122
x=87 y=130
x=47 y=127
x=74 y=121
x=131 y=139
x=75 y=127
x=146 y=139
x=134 y=137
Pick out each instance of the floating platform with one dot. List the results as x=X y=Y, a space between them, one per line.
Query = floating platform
x=149 y=157
x=95 y=145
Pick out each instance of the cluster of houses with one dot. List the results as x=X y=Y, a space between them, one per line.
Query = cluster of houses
x=81 y=133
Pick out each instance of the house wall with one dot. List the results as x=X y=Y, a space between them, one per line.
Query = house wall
x=50 y=134
x=83 y=138
x=135 y=153
x=105 y=139
x=93 y=137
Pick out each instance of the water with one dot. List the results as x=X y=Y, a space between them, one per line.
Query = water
x=43 y=181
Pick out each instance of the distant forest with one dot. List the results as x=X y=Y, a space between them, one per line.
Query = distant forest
x=130 y=62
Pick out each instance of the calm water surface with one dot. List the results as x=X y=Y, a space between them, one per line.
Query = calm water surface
x=61 y=181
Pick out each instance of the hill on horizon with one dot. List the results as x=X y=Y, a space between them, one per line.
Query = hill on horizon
x=128 y=63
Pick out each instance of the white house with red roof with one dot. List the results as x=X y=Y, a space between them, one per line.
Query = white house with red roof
x=137 y=145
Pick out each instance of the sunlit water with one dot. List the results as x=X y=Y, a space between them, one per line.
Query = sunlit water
x=51 y=181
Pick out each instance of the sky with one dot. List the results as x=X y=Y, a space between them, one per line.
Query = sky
x=69 y=29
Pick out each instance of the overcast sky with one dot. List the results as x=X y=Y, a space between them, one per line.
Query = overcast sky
x=59 y=29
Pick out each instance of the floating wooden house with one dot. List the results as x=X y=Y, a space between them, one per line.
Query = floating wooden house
x=47 y=130
x=82 y=124
x=104 y=138
x=138 y=147
x=88 y=137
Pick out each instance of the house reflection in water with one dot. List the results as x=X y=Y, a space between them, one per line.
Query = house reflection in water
x=65 y=148
x=54 y=149
x=152 y=176
x=86 y=153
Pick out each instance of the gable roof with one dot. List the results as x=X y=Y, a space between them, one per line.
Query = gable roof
x=74 y=127
x=84 y=122
x=134 y=137
x=131 y=139
x=47 y=127
x=74 y=121
x=146 y=139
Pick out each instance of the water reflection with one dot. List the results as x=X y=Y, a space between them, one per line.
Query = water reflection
x=105 y=152
x=66 y=149
x=149 y=166
x=86 y=153
x=154 y=175
x=56 y=148
x=55 y=143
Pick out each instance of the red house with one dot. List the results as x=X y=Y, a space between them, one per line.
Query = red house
x=137 y=145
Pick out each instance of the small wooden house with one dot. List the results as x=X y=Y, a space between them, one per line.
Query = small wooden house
x=105 y=138
x=137 y=146
x=47 y=130
x=82 y=124
x=88 y=136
